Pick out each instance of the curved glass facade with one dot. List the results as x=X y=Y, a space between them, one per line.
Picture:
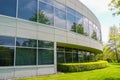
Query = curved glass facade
x=50 y=12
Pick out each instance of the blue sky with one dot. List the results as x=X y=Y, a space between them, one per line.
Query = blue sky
x=101 y=10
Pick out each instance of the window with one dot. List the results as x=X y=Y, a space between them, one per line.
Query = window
x=86 y=26
x=8 y=7
x=7 y=41
x=6 y=56
x=48 y=1
x=68 y=57
x=45 y=56
x=26 y=42
x=71 y=25
x=60 y=18
x=27 y=9
x=59 y=6
x=25 y=56
x=60 y=57
x=46 y=14
x=71 y=11
x=45 y=44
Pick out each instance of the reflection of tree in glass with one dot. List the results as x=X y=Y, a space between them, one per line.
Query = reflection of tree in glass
x=77 y=28
x=42 y=18
x=94 y=35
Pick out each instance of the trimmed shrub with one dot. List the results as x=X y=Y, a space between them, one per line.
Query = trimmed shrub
x=77 y=67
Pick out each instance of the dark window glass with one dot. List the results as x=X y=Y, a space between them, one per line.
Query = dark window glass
x=7 y=41
x=71 y=11
x=6 y=56
x=60 y=49
x=60 y=57
x=60 y=18
x=45 y=57
x=59 y=6
x=8 y=7
x=45 y=44
x=27 y=9
x=71 y=22
x=68 y=50
x=75 y=57
x=68 y=57
x=26 y=42
x=48 y=1
x=46 y=14
x=25 y=56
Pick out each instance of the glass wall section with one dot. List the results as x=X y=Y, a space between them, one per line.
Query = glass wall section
x=59 y=6
x=27 y=9
x=94 y=34
x=9 y=41
x=48 y=1
x=60 y=18
x=71 y=25
x=25 y=56
x=26 y=51
x=68 y=55
x=45 y=52
x=86 y=26
x=60 y=54
x=75 y=55
x=91 y=28
x=46 y=14
x=7 y=51
x=6 y=56
x=8 y=7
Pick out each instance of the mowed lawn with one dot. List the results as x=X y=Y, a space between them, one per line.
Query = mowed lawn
x=112 y=72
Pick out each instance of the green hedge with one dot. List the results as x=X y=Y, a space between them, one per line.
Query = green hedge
x=77 y=67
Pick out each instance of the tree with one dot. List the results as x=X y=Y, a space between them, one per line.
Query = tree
x=94 y=35
x=115 y=6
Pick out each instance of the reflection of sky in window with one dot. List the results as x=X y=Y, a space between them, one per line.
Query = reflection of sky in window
x=59 y=6
x=71 y=11
x=70 y=21
x=60 y=18
x=27 y=8
x=48 y=1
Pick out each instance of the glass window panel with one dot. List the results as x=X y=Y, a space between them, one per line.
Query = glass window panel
x=71 y=25
x=46 y=14
x=79 y=25
x=26 y=42
x=45 y=44
x=27 y=9
x=59 y=6
x=25 y=56
x=45 y=56
x=71 y=11
x=8 y=7
x=60 y=57
x=60 y=49
x=60 y=18
x=68 y=57
x=6 y=56
x=7 y=41
x=78 y=14
x=75 y=57
x=48 y=1
x=68 y=50
x=86 y=26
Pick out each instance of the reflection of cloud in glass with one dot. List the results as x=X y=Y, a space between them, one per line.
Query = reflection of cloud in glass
x=30 y=6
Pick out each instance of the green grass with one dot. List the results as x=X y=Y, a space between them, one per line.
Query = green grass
x=112 y=72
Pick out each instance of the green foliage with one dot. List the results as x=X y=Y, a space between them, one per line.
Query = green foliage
x=77 y=67
x=115 y=6
x=94 y=35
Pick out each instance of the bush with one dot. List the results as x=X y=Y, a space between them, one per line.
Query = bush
x=77 y=67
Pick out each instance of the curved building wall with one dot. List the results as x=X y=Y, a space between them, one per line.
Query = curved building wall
x=38 y=27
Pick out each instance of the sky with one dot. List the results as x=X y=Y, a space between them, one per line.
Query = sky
x=102 y=11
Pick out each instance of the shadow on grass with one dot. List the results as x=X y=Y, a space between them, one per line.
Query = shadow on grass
x=112 y=78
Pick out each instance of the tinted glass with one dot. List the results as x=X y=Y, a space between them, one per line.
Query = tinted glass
x=71 y=25
x=48 y=1
x=46 y=14
x=45 y=57
x=68 y=57
x=75 y=57
x=71 y=11
x=25 y=56
x=26 y=42
x=27 y=9
x=7 y=41
x=45 y=44
x=60 y=57
x=86 y=26
x=8 y=7
x=6 y=56
x=59 y=6
x=60 y=18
